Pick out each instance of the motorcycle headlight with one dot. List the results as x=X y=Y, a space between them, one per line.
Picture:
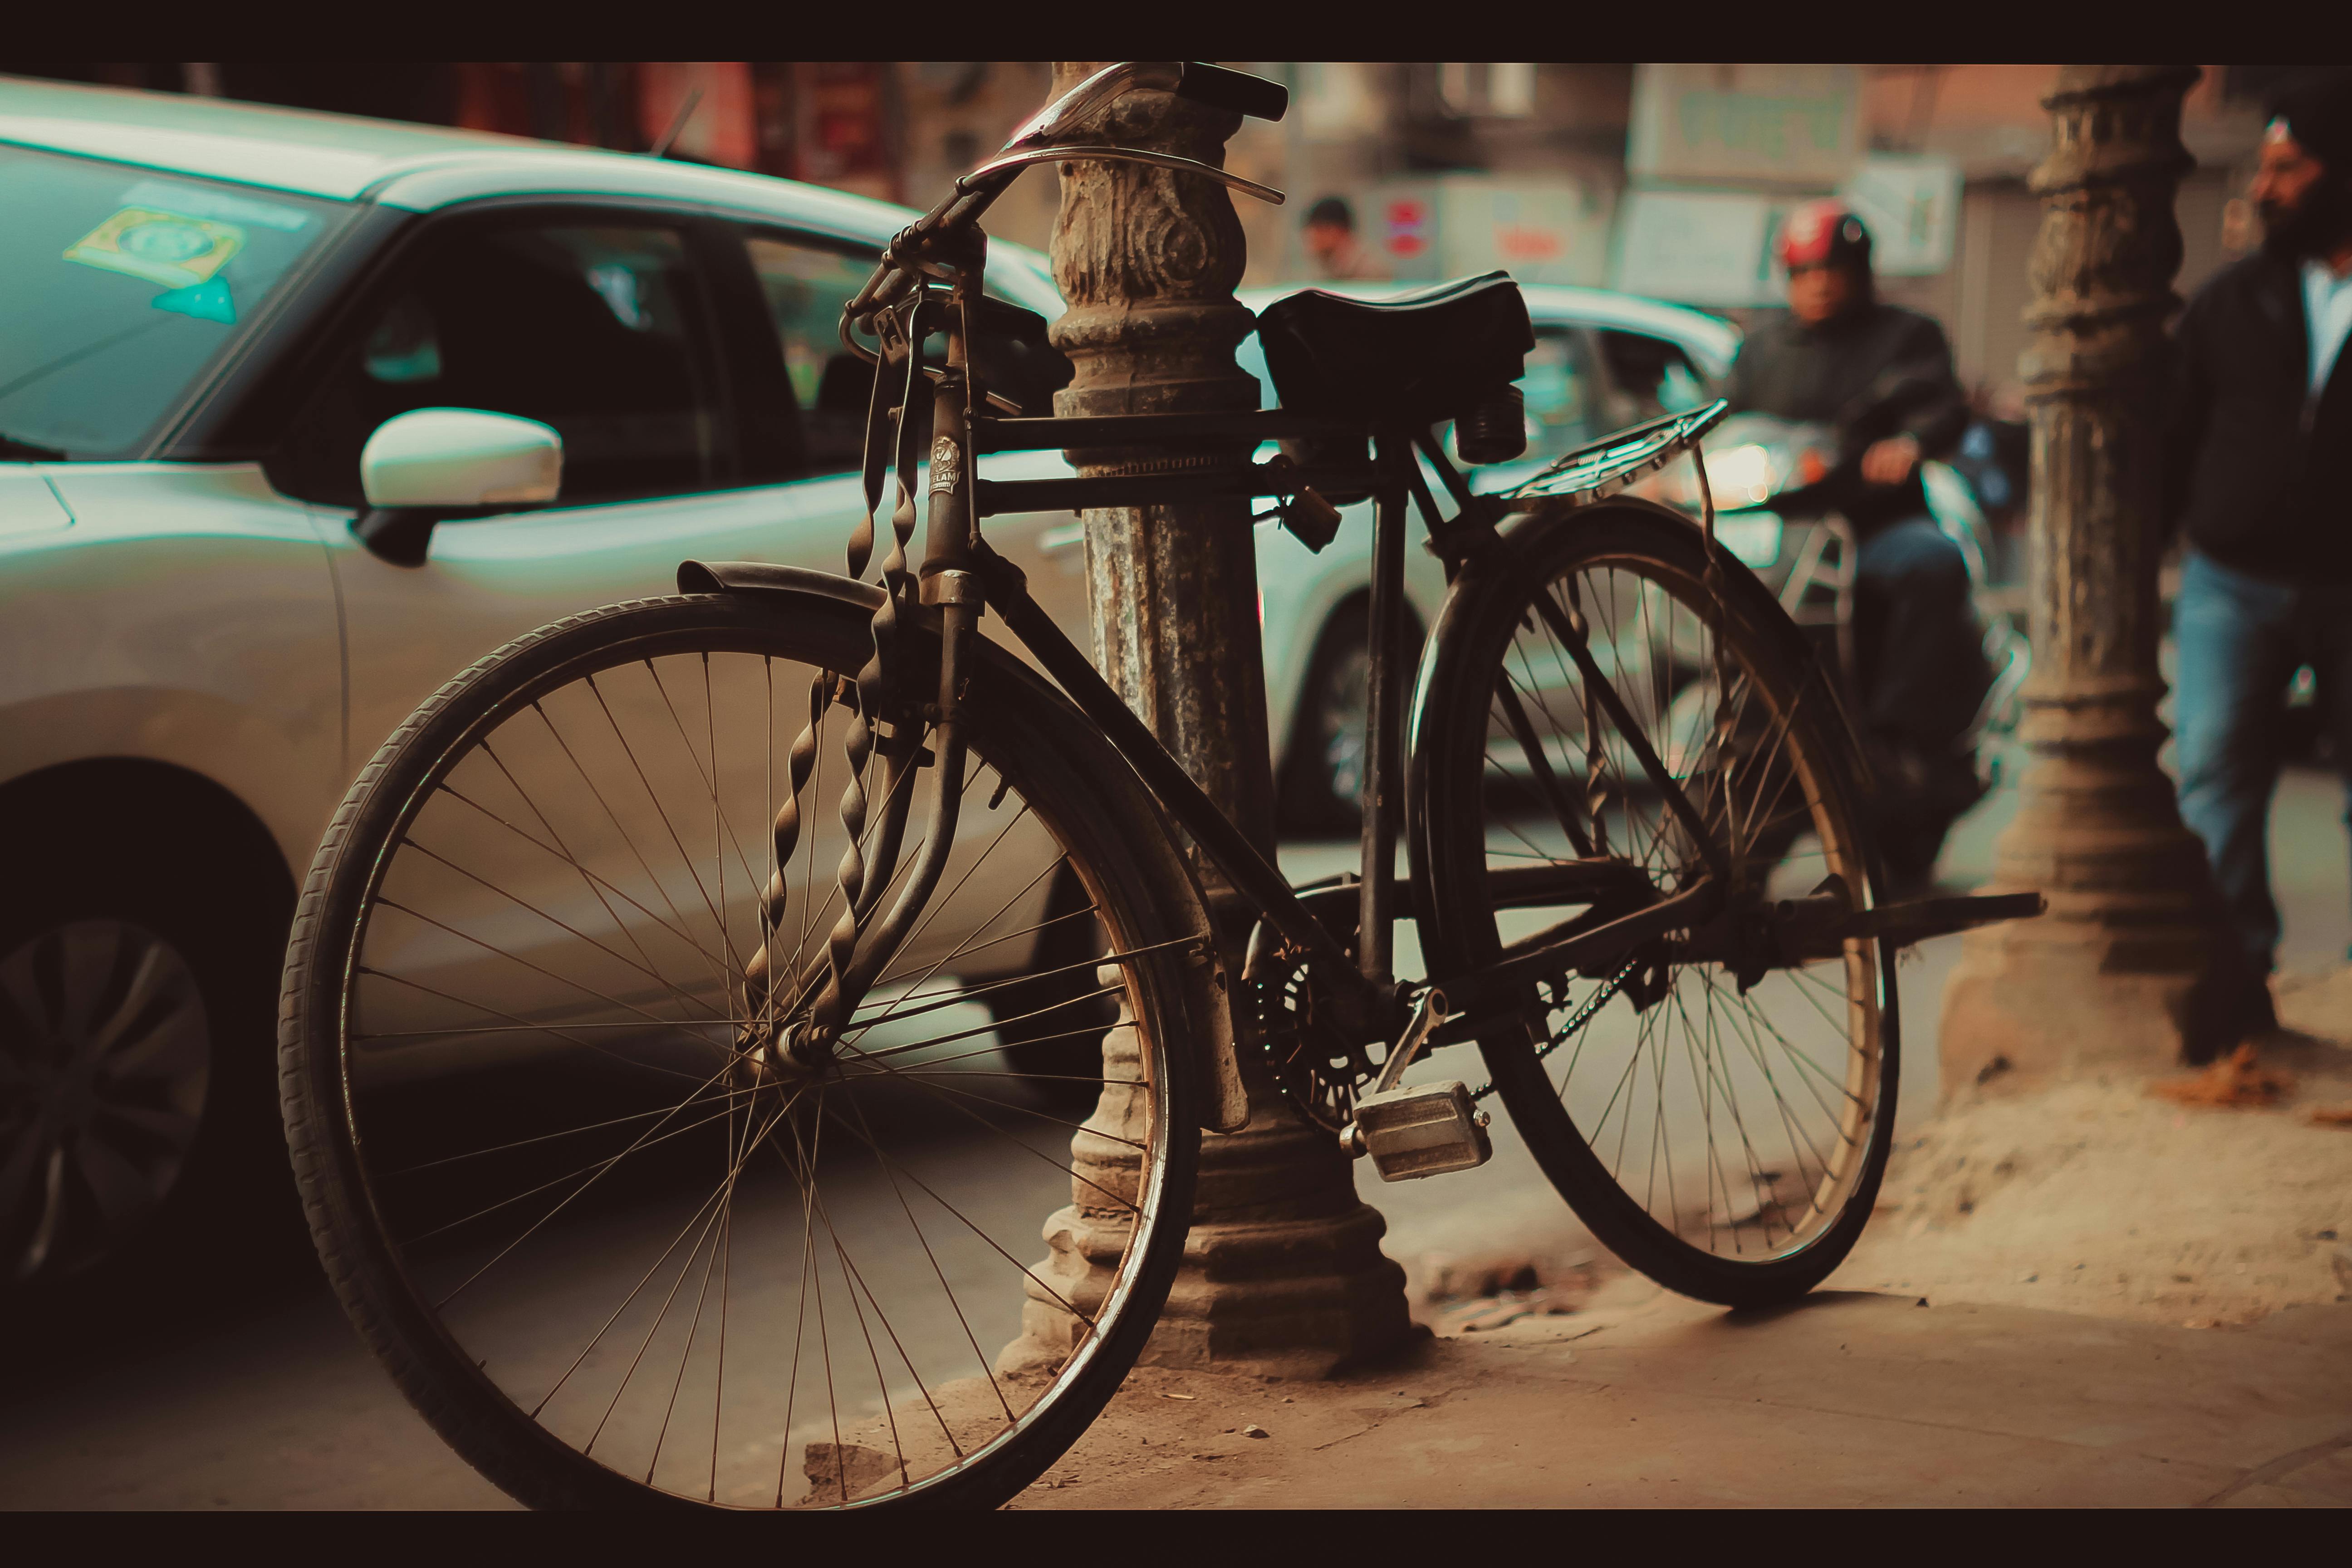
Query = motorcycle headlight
x=1741 y=477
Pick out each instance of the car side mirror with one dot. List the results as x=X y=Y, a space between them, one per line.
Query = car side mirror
x=431 y=464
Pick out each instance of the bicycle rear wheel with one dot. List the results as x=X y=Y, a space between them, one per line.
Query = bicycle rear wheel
x=614 y=1258
x=1725 y=1135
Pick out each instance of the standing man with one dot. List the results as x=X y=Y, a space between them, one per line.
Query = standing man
x=1331 y=243
x=1881 y=376
x=2256 y=475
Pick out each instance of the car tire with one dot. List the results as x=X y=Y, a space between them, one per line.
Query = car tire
x=1322 y=780
x=1051 y=1021
x=137 y=1000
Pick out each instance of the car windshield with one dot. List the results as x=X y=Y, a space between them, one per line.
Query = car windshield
x=122 y=284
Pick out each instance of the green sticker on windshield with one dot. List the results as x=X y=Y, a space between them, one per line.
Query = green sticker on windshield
x=163 y=247
x=205 y=301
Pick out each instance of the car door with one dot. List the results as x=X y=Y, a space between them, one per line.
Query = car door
x=596 y=322
x=805 y=281
x=602 y=323
x=637 y=336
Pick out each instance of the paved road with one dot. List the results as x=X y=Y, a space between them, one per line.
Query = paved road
x=238 y=1384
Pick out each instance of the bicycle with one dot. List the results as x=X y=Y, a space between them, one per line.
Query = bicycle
x=769 y=1050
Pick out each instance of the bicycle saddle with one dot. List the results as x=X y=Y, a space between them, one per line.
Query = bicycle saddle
x=1415 y=359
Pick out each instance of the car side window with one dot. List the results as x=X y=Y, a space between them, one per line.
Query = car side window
x=1654 y=373
x=1558 y=392
x=805 y=285
x=600 y=330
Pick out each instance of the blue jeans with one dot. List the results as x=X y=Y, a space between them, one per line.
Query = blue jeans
x=1916 y=638
x=2239 y=640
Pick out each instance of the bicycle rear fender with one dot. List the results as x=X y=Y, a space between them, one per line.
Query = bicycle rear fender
x=1541 y=518
x=1212 y=994
x=1517 y=536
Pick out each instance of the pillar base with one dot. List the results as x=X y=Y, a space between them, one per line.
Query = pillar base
x=1283 y=1273
x=2129 y=968
x=1296 y=1299
x=2015 y=1017
x=1275 y=1282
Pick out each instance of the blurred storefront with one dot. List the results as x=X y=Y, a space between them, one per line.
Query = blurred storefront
x=1672 y=179
x=1667 y=180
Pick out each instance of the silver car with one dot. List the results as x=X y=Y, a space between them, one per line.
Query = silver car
x=211 y=309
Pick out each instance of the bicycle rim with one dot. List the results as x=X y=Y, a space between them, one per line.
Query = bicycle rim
x=1726 y=1137
x=613 y=1257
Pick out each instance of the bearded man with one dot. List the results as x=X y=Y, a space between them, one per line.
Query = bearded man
x=2256 y=457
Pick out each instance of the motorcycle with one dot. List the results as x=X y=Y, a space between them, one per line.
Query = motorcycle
x=1763 y=472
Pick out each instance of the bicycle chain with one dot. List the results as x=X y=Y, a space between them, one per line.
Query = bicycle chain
x=1593 y=1004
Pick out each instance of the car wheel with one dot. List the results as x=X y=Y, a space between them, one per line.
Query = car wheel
x=134 y=1073
x=1050 y=1023
x=1323 y=773
x=108 y=1047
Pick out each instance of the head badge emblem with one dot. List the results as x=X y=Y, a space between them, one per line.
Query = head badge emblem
x=947 y=465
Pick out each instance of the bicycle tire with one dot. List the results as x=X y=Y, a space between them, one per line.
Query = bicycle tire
x=1609 y=552
x=345 y=1162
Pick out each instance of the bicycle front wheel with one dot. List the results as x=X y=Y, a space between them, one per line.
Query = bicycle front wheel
x=611 y=1252
x=1721 y=1127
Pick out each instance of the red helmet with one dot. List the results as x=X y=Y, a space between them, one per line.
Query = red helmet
x=1824 y=233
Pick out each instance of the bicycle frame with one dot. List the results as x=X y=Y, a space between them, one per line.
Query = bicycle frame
x=959 y=574
x=1362 y=986
x=961 y=571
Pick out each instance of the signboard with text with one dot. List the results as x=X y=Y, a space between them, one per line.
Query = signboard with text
x=1552 y=230
x=1700 y=247
x=1788 y=124
x=1911 y=208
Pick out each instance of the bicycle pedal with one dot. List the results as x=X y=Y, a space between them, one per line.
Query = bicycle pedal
x=1426 y=1130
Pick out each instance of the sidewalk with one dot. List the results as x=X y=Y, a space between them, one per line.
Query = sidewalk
x=1848 y=1399
x=2079 y=1297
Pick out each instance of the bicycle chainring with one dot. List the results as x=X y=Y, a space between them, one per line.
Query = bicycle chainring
x=1319 y=1071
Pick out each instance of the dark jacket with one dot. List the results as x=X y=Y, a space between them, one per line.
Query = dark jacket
x=2254 y=464
x=1875 y=371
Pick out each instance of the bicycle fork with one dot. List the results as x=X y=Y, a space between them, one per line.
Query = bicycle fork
x=805 y=1032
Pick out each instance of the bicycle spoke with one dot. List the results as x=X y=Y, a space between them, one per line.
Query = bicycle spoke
x=1688 y=1094
x=595 y=884
x=524 y=1024
x=559 y=1084
x=719 y=966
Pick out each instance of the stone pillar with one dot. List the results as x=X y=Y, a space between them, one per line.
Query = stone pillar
x=1283 y=1274
x=2122 y=969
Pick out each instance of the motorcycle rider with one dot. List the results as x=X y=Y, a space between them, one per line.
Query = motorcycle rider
x=1881 y=376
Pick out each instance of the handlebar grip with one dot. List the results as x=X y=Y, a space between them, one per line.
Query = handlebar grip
x=1237 y=90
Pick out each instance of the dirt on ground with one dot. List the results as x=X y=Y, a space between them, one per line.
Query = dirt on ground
x=2204 y=1199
